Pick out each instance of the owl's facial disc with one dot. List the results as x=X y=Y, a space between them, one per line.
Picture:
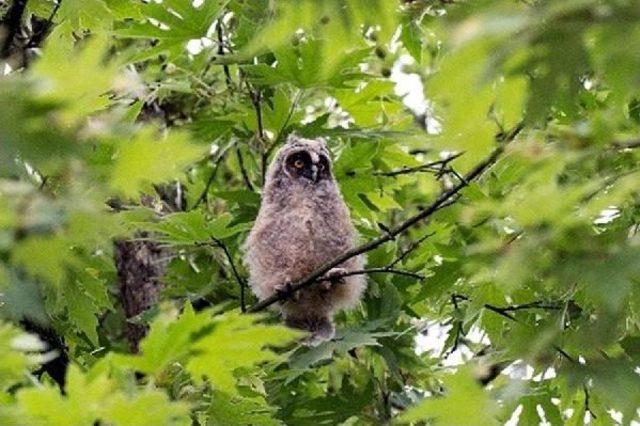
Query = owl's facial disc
x=311 y=167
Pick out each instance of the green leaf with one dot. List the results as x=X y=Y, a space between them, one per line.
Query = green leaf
x=78 y=15
x=194 y=228
x=211 y=347
x=237 y=341
x=239 y=411
x=411 y=39
x=95 y=398
x=461 y=390
x=149 y=159
x=169 y=340
x=314 y=63
x=44 y=258
x=344 y=341
x=63 y=71
x=83 y=313
x=15 y=346
x=149 y=407
x=173 y=23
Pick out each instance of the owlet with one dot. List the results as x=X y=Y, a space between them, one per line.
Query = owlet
x=303 y=222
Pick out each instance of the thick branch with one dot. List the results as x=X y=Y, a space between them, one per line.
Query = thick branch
x=391 y=234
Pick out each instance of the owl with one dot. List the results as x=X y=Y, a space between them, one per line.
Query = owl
x=303 y=222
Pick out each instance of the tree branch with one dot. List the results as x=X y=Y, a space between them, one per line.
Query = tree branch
x=387 y=236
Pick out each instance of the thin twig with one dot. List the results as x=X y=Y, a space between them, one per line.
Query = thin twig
x=565 y=354
x=538 y=304
x=501 y=312
x=525 y=306
x=387 y=236
x=432 y=167
x=292 y=110
x=459 y=329
x=212 y=176
x=243 y=170
x=534 y=305
x=218 y=243
x=412 y=247
x=504 y=313
x=382 y=270
x=493 y=372
x=256 y=99
x=587 y=398
x=225 y=67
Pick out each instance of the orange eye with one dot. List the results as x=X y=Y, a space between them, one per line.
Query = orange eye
x=298 y=164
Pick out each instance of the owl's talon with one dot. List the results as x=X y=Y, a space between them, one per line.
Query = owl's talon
x=285 y=292
x=335 y=275
x=332 y=278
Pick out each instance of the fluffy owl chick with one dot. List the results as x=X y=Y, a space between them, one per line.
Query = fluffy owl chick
x=303 y=222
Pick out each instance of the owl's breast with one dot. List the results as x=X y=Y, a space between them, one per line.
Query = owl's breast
x=302 y=237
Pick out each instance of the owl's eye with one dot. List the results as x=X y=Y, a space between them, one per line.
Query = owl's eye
x=298 y=164
x=321 y=166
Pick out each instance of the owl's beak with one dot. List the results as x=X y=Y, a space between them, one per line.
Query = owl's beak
x=314 y=173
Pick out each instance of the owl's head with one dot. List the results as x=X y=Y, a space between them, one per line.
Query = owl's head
x=304 y=160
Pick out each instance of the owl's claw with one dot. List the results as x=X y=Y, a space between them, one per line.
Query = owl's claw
x=285 y=292
x=333 y=277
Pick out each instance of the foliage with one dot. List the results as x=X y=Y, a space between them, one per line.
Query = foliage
x=535 y=267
